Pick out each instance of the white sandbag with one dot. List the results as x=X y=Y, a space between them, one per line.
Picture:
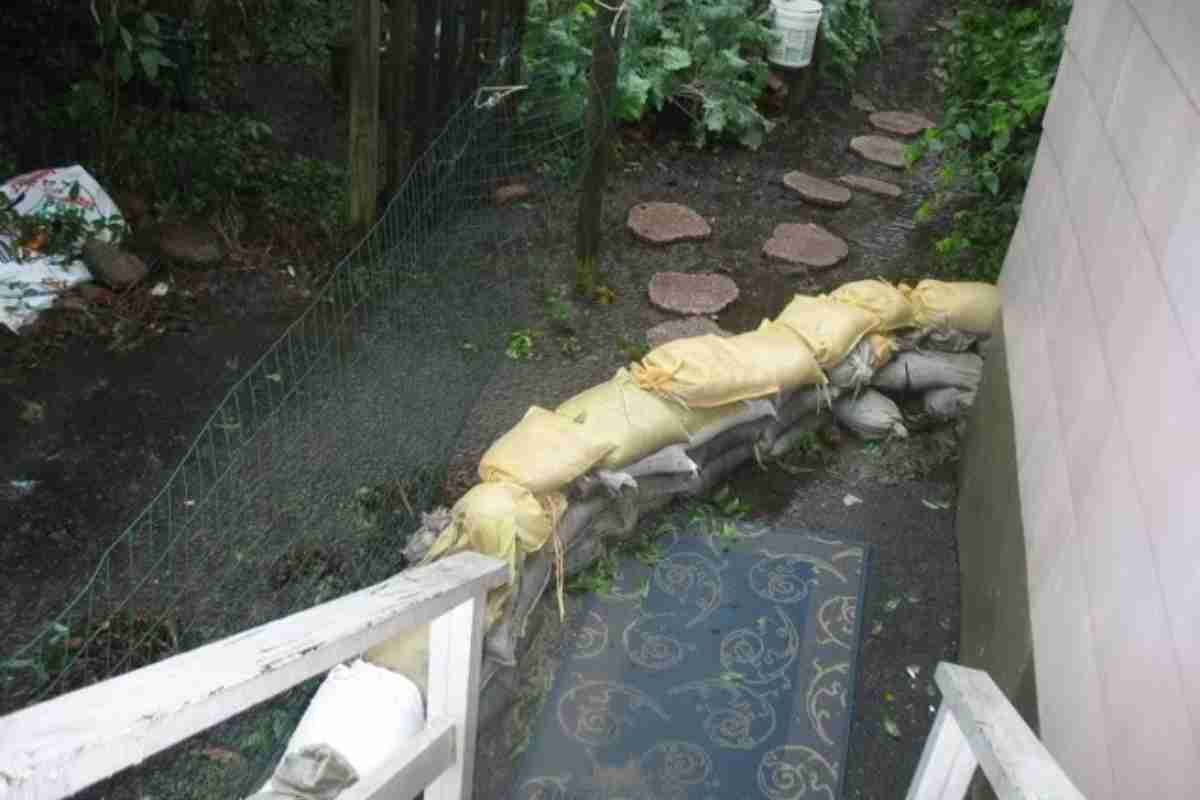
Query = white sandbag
x=667 y=461
x=948 y=403
x=920 y=371
x=751 y=410
x=871 y=415
x=363 y=712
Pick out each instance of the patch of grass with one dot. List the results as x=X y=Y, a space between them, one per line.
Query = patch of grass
x=521 y=346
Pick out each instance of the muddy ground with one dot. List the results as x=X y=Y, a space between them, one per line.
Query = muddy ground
x=98 y=431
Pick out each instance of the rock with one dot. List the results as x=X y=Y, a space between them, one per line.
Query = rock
x=111 y=265
x=817 y=191
x=189 y=245
x=879 y=149
x=667 y=223
x=692 y=293
x=511 y=193
x=872 y=185
x=683 y=329
x=776 y=83
x=805 y=245
x=901 y=123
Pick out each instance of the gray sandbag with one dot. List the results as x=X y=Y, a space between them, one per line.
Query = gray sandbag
x=752 y=410
x=715 y=471
x=432 y=525
x=669 y=460
x=315 y=772
x=949 y=402
x=799 y=432
x=871 y=415
x=796 y=406
x=855 y=370
x=746 y=433
x=500 y=643
x=920 y=371
x=946 y=340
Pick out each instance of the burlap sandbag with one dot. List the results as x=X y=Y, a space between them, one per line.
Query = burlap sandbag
x=870 y=414
x=543 y=452
x=829 y=328
x=780 y=352
x=881 y=299
x=919 y=371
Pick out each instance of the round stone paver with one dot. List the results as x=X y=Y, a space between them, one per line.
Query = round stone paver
x=879 y=149
x=901 y=123
x=667 y=223
x=817 y=191
x=683 y=329
x=692 y=293
x=805 y=245
x=190 y=245
x=872 y=185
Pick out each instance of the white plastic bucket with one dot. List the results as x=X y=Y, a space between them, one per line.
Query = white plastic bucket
x=795 y=22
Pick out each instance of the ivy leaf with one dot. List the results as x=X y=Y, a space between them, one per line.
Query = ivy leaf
x=963 y=130
x=991 y=181
x=676 y=58
x=124 y=66
x=150 y=23
x=149 y=63
x=126 y=38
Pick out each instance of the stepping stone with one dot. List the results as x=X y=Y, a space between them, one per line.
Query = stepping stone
x=805 y=245
x=506 y=195
x=667 y=223
x=113 y=266
x=901 y=123
x=692 y=292
x=872 y=185
x=189 y=245
x=683 y=329
x=879 y=149
x=817 y=191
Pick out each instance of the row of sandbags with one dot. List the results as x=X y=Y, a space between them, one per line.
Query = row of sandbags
x=561 y=482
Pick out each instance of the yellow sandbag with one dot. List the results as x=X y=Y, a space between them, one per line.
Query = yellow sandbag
x=883 y=349
x=829 y=328
x=969 y=307
x=635 y=421
x=543 y=452
x=502 y=520
x=779 y=351
x=704 y=372
x=881 y=299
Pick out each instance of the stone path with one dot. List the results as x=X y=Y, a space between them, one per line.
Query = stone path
x=794 y=246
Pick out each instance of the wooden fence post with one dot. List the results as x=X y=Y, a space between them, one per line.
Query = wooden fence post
x=605 y=62
x=400 y=51
x=364 y=113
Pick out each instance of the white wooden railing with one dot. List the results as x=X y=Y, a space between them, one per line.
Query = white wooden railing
x=56 y=748
x=976 y=726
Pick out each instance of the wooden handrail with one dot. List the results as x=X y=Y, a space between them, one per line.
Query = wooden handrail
x=976 y=726
x=56 y=748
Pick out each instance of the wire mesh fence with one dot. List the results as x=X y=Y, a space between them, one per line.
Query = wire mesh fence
x=306 y=479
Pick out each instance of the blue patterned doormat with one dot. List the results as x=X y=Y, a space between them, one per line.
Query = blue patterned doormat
x=724 y=671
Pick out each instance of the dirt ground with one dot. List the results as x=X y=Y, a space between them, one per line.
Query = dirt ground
x=98 y=431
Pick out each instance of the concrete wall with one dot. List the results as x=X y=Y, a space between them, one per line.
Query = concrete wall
x=1102 y=320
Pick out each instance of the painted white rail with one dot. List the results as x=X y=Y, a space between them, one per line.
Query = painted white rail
x=56 y=748
x=976 y=726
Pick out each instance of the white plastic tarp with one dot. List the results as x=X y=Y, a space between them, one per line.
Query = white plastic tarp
x=30 y=281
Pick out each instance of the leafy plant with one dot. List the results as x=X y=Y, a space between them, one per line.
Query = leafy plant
x=849 y=33
x=630 y=350
x=704 y=57
x=1000 y=63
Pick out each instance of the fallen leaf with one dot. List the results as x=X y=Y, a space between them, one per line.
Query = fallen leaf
x=877 y=629
x=851 y=500
x=220 y=755
x=159 y=289
x=934 y=505
x=892 y=604
x=889 y=725
x=32 y=413
x=913 y=671
x=275 y=377
x=889 y=697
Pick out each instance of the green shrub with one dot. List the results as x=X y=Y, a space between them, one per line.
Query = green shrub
x=705 y=57
x=849 y=33
x=1000 y=64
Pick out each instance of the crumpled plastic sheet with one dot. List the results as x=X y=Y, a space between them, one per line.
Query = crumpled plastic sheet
x=30 y=283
